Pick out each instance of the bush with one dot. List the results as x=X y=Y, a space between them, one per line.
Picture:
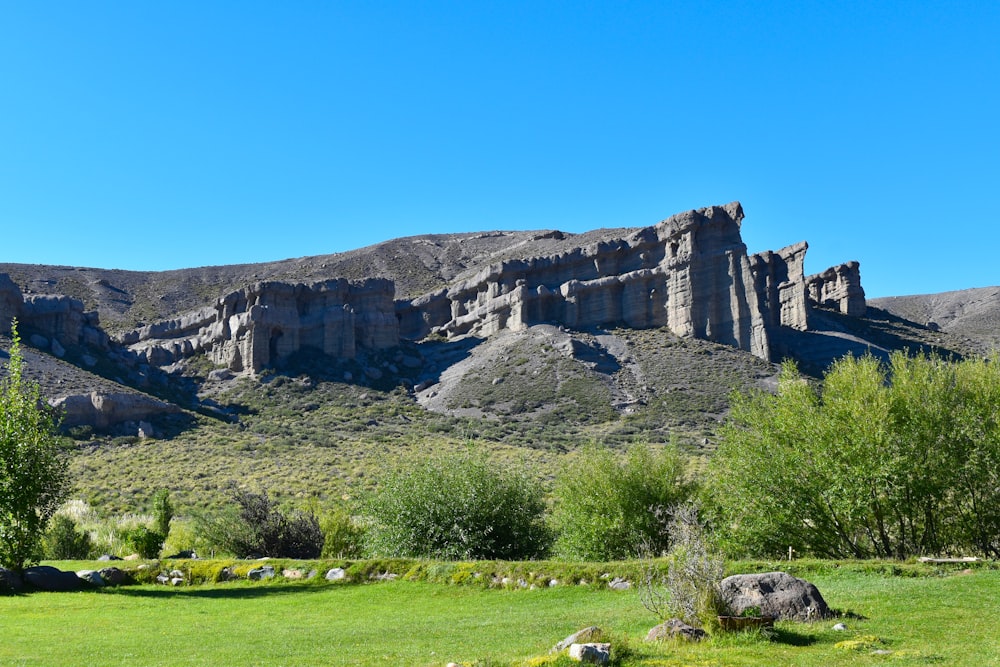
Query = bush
x=144 y=541
x=455 y=507
x=690 y=588
x=342 y=536
x=256 y=528
x=885 y=461
x=62 y=541
x=609 y=507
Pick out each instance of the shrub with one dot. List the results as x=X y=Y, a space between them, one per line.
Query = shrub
x=456 y=507
x=608 y=507
x=254 y=527
x=144 y=541
x=62 y=541
x=689 y=590
x=163 y=511
x=883 y=461
x=342 y=536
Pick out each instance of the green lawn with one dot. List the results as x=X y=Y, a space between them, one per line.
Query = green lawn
x=948 y=620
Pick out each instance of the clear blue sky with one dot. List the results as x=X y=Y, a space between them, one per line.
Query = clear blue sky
x=151 y=136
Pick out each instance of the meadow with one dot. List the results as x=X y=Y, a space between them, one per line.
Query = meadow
x=919 y=616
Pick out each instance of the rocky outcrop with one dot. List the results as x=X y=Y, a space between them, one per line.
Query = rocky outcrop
x=690 y=272
x=101 y=409
x=261 y=325
x=781 y=290
x=839 y=287
x=10 y=302
x=60 y=320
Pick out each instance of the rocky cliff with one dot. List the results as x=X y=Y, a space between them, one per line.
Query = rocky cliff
x=53 y=321
x=690 y=273
x=258 y=326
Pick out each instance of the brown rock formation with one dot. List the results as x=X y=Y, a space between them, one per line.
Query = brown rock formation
x=690 y=273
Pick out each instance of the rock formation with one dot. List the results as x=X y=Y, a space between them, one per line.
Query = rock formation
x=101 y=409
x=258 y=326
x=839 y=287
x=690 y=272
x=59 y=319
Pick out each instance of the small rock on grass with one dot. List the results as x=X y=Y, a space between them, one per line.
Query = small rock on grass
x=592 y=653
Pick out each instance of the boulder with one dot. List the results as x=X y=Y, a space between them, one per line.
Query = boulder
x=619 y=584
x=258 y=573
x=591 y=653
x=776 y=594
x=675 y=629
x=104 y=409
x=107 y=557
x=335 y=574
x=10 y=581
x=48 y=578
x=114 y=576
x=92 y=577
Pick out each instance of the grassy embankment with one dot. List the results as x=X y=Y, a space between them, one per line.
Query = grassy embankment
x=927 y=619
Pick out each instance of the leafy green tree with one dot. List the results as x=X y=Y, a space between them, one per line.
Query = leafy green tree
x=610 y=507
x=882 y=460
x=456 y=507
x=32 y=473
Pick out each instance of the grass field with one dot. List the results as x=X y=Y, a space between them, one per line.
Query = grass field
x=939 y=620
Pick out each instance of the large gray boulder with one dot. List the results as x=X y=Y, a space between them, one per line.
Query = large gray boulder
x=777 y=594
x=47 y=578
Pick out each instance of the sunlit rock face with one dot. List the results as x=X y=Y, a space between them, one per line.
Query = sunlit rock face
x=690 y=272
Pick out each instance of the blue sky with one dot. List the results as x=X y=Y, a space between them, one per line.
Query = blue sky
x=154 y=136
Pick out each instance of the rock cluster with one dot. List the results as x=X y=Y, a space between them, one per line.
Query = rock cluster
x=258 y=326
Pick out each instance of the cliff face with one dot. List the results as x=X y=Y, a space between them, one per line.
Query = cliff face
x=55 y=320
x=690 y=272
x=257 y=326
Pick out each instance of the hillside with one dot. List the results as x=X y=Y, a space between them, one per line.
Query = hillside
x=503 y=370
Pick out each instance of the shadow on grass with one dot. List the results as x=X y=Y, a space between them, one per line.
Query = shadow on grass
x=785 y=636
x=219 y=593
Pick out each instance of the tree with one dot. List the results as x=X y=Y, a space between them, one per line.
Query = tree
x=32 y=474
x=882 y=460
x=611 y=507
